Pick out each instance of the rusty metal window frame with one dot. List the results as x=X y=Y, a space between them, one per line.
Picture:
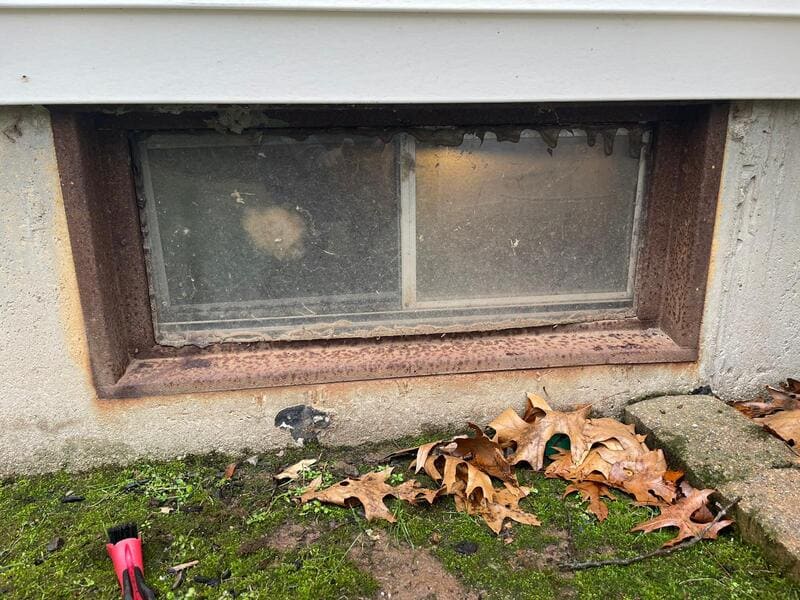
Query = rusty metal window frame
x=225 y=319
x=96 y=170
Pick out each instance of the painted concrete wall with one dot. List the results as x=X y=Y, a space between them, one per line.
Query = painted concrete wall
x=50 y=417
x=752 y=317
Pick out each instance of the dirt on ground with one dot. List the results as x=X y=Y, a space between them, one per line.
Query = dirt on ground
x=288 y=537
x=407 y=574
x=548 y=557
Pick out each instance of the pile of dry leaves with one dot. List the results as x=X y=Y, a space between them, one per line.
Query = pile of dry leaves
x=479 y=472
x=780 y=415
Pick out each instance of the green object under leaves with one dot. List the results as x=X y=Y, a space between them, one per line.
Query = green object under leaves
x=556 y=443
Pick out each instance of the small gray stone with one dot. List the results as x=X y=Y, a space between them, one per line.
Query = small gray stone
x=55 y=544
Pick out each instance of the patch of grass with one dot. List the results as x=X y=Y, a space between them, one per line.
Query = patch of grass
x=187 y=510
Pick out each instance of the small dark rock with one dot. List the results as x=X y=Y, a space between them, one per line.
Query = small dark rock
x=72 y=498
x=55 y=544
x=38 y=560
x=209 y=581
x=132 y=485
x=703 y=390
x=466 y=547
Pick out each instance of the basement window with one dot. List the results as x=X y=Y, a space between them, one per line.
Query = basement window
x=234 y=248
x=269 y=235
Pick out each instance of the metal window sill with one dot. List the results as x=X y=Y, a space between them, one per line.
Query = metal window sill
x=360 y=360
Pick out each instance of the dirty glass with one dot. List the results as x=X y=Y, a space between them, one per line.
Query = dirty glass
x=273 y=227
x=502 y=220
x=274 y=235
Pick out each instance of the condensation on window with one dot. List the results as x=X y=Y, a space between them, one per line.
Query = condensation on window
x=303 y=235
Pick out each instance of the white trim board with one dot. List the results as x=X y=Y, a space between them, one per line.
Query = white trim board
x=785 y=8
x=270 y=51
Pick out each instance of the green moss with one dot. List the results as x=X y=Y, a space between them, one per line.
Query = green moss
x=188 y=511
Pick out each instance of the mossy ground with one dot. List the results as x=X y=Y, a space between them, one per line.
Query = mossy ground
x=221 y=523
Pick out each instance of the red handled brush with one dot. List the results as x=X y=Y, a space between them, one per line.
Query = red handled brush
x=125 y=550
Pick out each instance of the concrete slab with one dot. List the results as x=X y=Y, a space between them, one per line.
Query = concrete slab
x=719 y=447
x=708 y=439
x=768 y=514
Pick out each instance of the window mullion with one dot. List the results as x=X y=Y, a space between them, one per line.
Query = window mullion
x=408 y=222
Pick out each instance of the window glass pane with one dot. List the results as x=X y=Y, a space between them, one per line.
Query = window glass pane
x=282 y=235
x=250 y=228
x=505 y=220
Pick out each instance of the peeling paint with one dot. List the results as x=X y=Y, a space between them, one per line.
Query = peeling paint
x=304 y=422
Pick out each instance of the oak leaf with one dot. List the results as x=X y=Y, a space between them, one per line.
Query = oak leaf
x=293 y=472
x=459 y=476
x=531 y=438
x=508 y=427
x=787 y=397
x=592 y=491
x=369 y=490
x=643 y=475
x=680 y=515
x=504 y=506
x=614 y=435
x=786 y=425
x=595 y=467
x=482 y=453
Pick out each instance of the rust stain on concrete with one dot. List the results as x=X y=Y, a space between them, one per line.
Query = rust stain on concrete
x=69 y=298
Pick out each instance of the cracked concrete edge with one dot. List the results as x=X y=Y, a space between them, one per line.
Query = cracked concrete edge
x=766 y=515
x=760 y=522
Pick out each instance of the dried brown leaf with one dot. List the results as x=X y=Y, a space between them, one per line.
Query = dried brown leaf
x=594 y=468
x=484 y=454
x=293 y=472
x=592 y=491
x=680 y=515
x=786 y=425
x=508 y=427
x=615 y=436
x=787 y=398
x=504 y=506
x=642 y=476
x=531 y=440
x=369 y=490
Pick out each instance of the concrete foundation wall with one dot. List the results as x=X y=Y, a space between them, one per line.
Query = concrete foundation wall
x=50 y=417
x=751 y=328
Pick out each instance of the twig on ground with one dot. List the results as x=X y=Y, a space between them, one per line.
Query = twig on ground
x=591 y=564
x=182 y=566
x=180 y=572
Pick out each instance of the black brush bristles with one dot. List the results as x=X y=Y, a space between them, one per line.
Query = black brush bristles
x=122 y=532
